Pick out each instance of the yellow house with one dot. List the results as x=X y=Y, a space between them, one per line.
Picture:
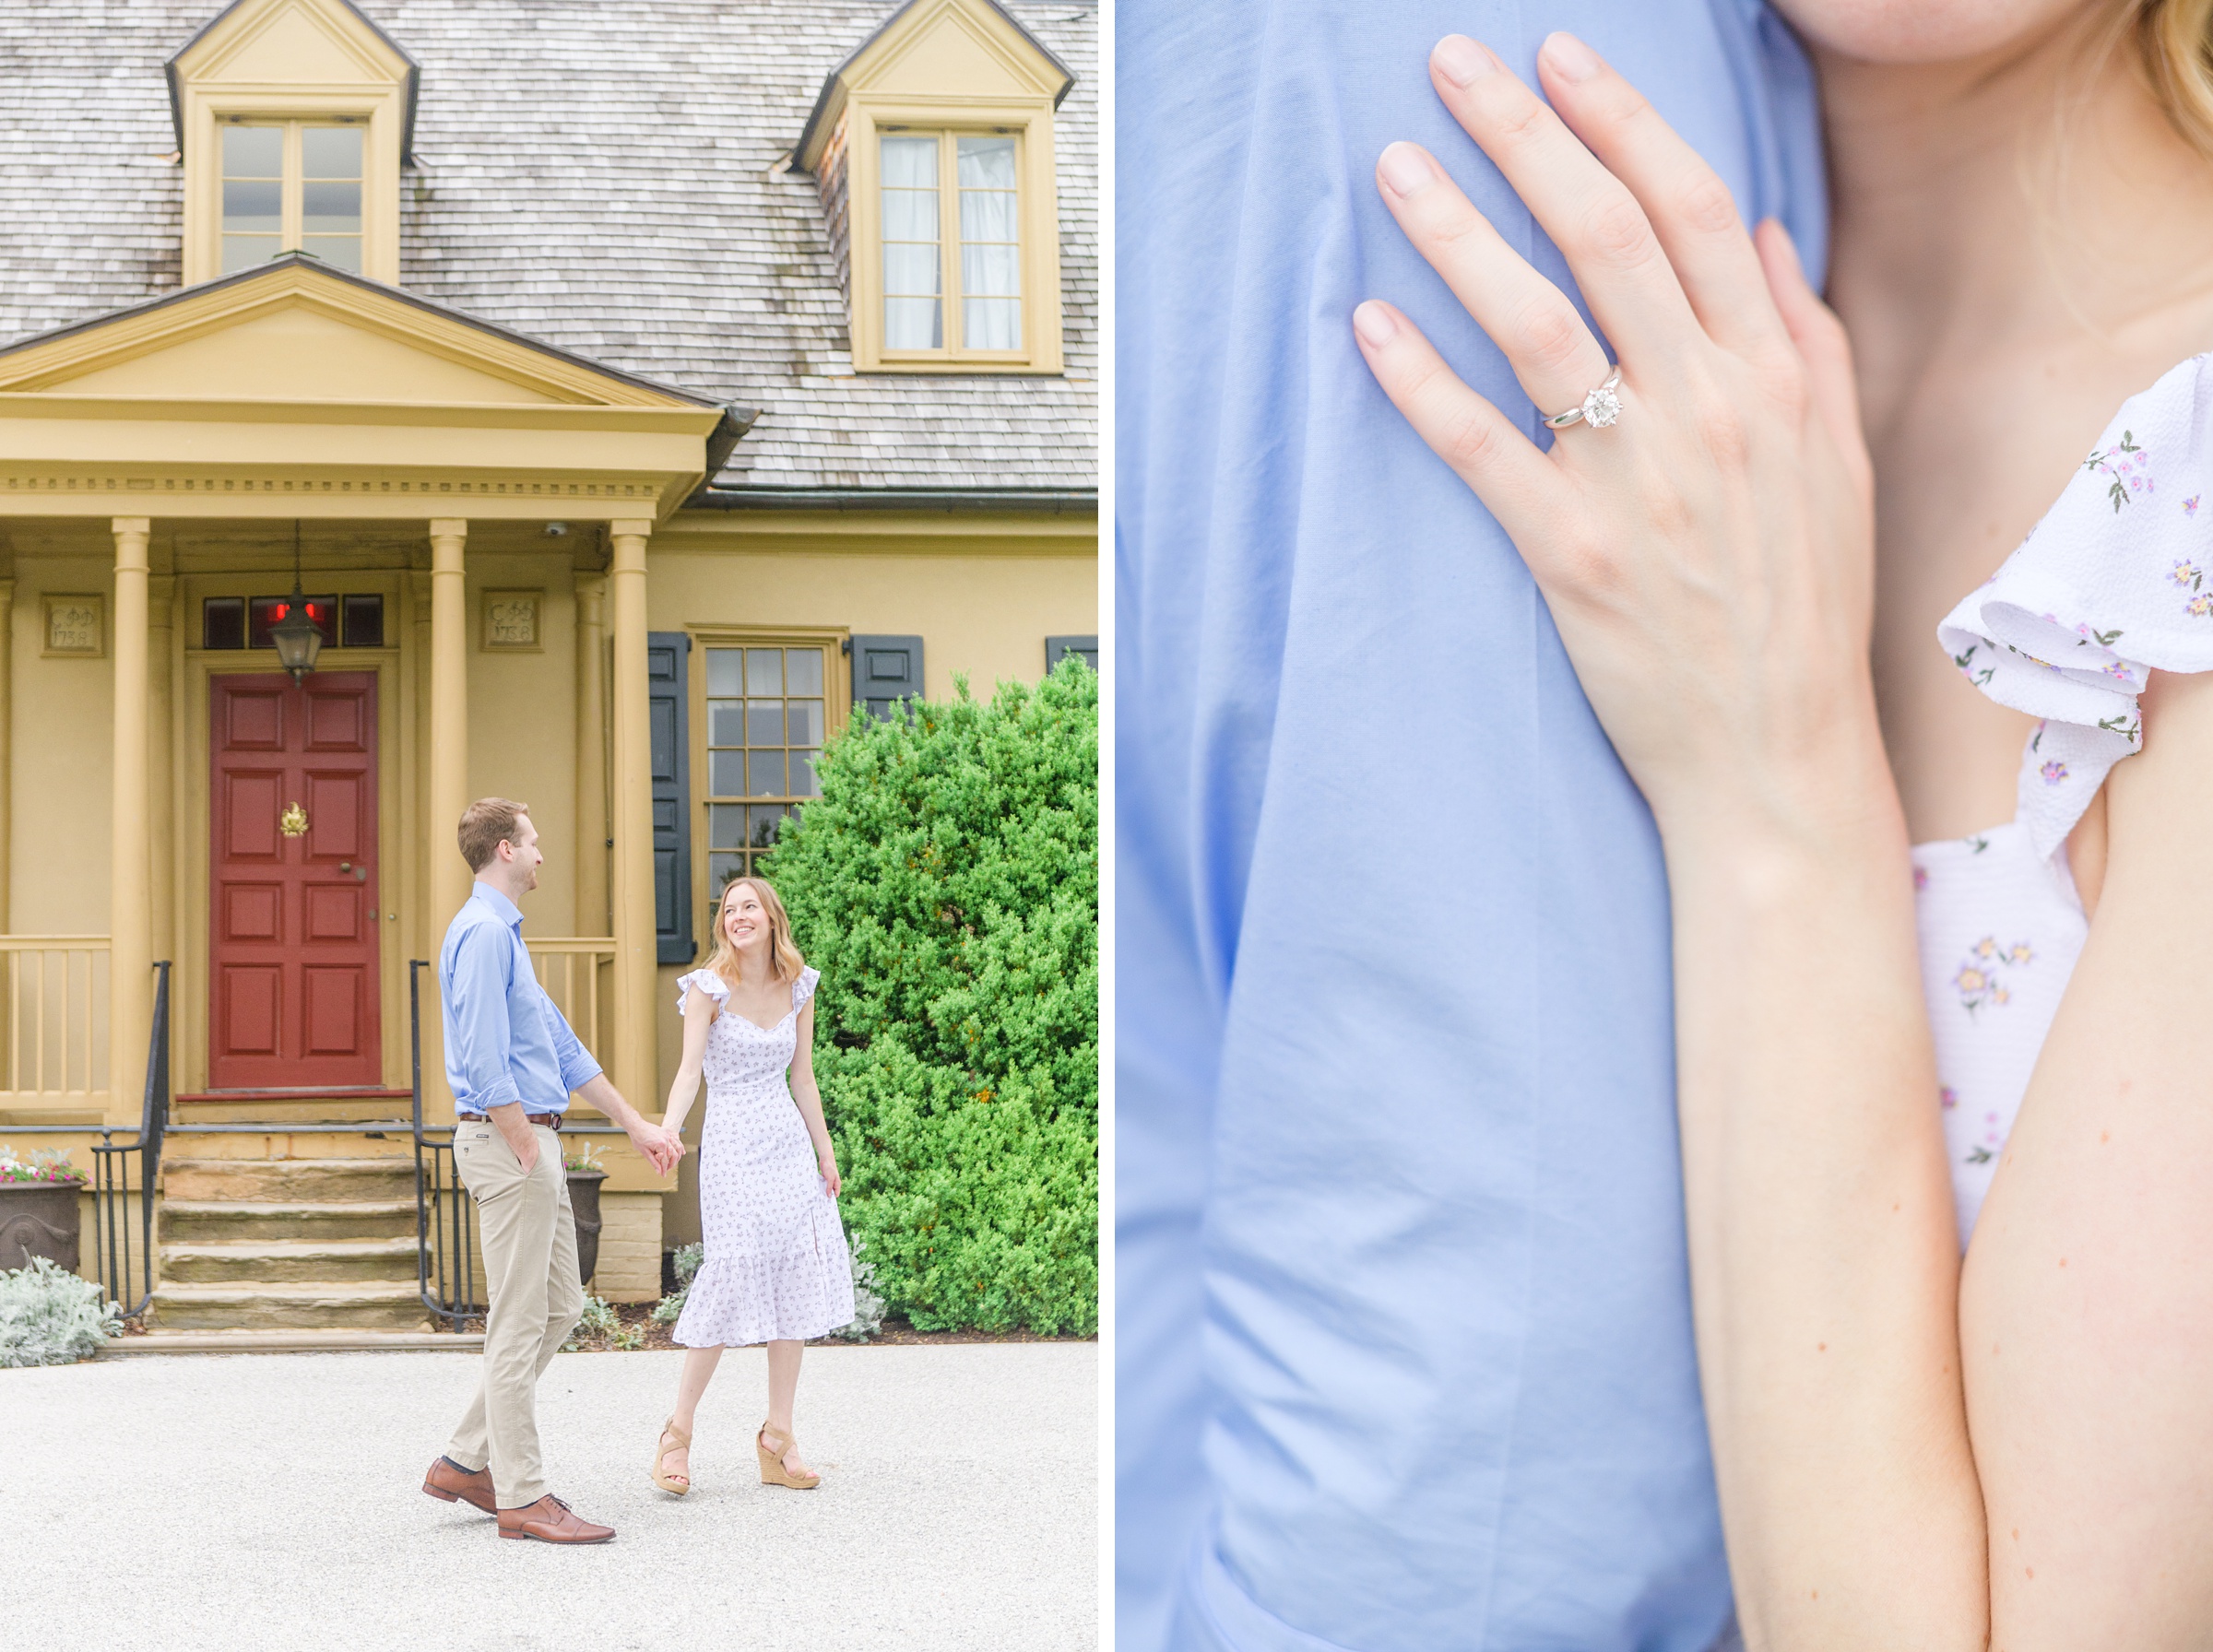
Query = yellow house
x=612 y=411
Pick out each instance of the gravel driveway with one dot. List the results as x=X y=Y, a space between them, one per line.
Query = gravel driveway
x=252 y=1501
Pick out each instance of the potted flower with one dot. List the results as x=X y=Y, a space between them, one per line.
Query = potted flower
x=586 y=1173
x=38 y=1208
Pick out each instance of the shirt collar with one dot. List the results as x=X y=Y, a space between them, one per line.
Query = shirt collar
x=509 y=913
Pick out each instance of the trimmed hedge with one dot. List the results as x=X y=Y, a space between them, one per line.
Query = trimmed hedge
x=946 y=884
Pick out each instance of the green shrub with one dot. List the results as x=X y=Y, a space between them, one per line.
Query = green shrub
x=49 y=1316
x=946 y=884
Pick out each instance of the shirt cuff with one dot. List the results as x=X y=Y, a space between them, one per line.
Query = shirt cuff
x=576 y=1074
x=496 y=1095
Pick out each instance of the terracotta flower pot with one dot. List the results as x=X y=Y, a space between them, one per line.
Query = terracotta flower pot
x=583 y=1203
x=39 y=1219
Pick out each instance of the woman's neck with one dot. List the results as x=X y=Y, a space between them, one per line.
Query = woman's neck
x=2034 y=200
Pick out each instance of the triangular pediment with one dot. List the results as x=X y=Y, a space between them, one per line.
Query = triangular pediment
x=291 y=43
x=293 y=330
x=951 y=52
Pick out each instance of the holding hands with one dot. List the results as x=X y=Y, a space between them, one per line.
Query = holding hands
x=661 y=1146
x=1709 y=557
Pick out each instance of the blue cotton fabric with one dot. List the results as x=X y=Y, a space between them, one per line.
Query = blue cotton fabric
x=1405 y=1355
x=506 y=1040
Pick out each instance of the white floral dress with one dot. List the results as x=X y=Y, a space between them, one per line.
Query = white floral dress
x=2110 y=586
x=777 y=1264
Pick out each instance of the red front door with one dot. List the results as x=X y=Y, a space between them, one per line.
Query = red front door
x=293 y=922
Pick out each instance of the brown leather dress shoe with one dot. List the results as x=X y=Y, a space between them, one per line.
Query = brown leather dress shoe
x=450 y=1482
x=550 y=1520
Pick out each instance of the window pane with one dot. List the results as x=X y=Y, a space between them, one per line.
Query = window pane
x=726 y=825
x=242 y=251
x=223 y=622
x=725 y=722
x=252 y=151
x=911 y=325
x=726 y=671
x=765 y=670
x=767 y=822
x=767 y=770
x=986 y=162
x=330 y=151
x=725 y=773
x=989 y=214
x=910 y=215
x=364 y=621
x=721 y=868
x=253 y=206
x=806 y=723
x=991 y=324
x=910 y=271
x=803 y=775
x=910 y=161
x=331 y=208
x=341 y=251
x=990 y=272
x=803 y=671
x=765 y=723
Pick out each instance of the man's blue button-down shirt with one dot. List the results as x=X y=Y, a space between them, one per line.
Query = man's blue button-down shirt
x=505 y=1039
x=1402 y=1314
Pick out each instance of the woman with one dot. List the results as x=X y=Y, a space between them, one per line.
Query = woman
x=776 y=1268
x=1910 y=1454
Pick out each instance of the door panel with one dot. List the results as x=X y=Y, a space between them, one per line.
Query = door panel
x=294 y=936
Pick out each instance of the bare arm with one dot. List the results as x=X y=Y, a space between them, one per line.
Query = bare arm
x=809 y=1099
x=2086 y=1307
x=700 y=1011
x=1709 y=566
x=659 y=1145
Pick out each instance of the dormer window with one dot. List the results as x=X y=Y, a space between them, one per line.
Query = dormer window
x=292 y=186
x=952 y=230
x=932 y=146
x=294 y=117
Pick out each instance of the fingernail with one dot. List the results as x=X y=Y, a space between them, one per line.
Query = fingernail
x=1407 y=169
x=1573 y=60
x=1374 y=325
x=1461 y=61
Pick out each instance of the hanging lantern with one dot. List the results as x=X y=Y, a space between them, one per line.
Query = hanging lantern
x=298 y=638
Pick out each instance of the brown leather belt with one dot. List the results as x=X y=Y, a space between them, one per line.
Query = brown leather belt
x=550 y=1120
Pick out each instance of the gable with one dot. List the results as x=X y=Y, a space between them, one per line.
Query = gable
x=291 y=43
x=951 y=54
x=294 y=331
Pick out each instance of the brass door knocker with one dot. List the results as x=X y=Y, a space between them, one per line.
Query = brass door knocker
x=293 y=821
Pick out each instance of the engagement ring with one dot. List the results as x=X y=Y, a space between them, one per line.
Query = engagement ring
x=1601 y=408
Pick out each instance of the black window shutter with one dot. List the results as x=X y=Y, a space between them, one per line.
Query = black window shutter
x=885 y=669
x=1084 y=648
x=669 y=679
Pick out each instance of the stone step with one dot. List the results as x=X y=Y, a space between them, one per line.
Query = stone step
x=303 y=1181
x=355 y=1304
x=327 y=1339
x=283 y=1261
x=201 y=1221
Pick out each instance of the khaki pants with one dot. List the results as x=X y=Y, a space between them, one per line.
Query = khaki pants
x=530 y=1242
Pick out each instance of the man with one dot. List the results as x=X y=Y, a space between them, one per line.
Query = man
x=513 y=1063
x=1402 y=1318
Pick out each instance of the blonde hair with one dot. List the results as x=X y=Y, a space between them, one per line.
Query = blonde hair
x=784 y=961
x=2175 y=43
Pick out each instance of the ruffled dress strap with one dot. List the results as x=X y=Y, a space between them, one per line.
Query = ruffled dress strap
x=708 y=982
x=803 y=988
x=2116 y=581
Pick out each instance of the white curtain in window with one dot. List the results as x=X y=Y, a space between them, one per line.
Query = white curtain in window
x=913 y=318
x=990 y=245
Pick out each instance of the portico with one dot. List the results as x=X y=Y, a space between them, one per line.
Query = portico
x=188 y=444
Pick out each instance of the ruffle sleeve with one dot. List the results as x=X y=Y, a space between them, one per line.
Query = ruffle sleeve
x=803 y=988
x=2116 y=581
x=708 y=981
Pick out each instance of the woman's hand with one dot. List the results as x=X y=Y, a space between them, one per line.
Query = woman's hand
x=1708 y=560
x=826 y=1162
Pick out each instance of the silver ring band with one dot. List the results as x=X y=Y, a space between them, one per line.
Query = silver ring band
x=1600 y=408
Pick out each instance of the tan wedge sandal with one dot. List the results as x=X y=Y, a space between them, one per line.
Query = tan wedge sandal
x=773 y=1471
x=662 y=1448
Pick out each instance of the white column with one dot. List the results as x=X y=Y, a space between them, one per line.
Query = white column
x=634 y=1069
x=130 y=892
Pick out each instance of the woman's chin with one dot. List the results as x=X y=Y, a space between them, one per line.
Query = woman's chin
x=1922 y=31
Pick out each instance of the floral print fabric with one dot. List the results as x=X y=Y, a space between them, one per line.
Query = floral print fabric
x=2110 y=586
x=777 y=1264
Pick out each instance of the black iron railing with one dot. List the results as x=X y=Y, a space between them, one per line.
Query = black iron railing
x=115 y=1175
x=445 y=1248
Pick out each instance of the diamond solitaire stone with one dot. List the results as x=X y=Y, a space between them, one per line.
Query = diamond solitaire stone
x=1602 y=405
